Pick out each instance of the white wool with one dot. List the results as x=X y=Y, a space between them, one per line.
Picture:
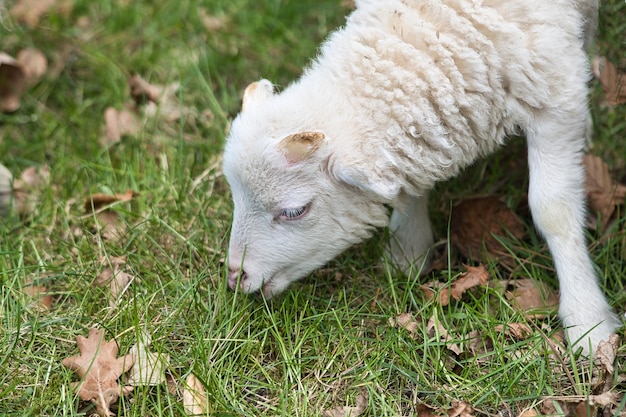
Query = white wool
x=407 y=94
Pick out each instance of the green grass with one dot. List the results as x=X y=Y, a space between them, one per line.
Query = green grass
x=328 y=337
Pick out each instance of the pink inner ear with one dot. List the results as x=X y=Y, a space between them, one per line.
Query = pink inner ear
x=300 y=146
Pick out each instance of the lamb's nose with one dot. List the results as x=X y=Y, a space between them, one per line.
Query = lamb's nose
x=233 y=277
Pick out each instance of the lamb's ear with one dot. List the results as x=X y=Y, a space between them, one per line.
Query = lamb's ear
x=379 y=184
x=256 y=93
x=301 y=146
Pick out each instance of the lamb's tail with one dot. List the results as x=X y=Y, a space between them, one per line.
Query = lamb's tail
x=589 y=11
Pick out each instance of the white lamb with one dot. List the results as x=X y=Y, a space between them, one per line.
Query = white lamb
x=408 y=93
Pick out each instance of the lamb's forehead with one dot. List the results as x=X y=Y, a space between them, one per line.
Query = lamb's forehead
x=261 y=175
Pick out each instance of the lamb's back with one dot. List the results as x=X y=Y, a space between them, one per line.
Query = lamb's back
x=434 y=84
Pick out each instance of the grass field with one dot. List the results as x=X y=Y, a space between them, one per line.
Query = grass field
x=328 y=339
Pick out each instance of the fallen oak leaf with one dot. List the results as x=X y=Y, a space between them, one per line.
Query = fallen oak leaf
x=474 y=276
x=194 y=397
x=149 y=367
x=460 y=409
x=534 y=298
x=159 y=100
x=119 y=123
x=31 y=11
x=518 y=331
x=108 y=221
x=41 y=298
x=405 y=321
x=603 y=193
x=606 y=352
x=34 y=65
x=113 y=277
x=27 y=188
x=99 y=369
x=348 y=411
x=435 y=329
x=612 y=79
x=475 y=223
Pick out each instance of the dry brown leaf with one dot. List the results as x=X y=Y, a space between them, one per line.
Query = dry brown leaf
x=142 y=91
x=160 y=100
x=149 y=367
x=31 y=11
x=603 y=193
x=476 y=221
x=606 y=353
x=27 y=188
x=405 y=321
x=194 y=397
x=348 y=411
x=212 y=23
x=612 y=79
x=474 y=277
x=461 y=409
x=534 y=298
x=98 y=201
x=119 y=123
x=116 y=279
x=434 y=328
x=42 y=300
x=12 y=83
x=99 y=368
x=528 y=413
x=34 y=65
x=518 y=331
x=107 y=220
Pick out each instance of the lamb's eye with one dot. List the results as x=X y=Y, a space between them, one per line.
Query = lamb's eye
x=293 y=213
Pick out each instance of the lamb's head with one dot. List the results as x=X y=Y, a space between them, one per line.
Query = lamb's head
x=291 y=213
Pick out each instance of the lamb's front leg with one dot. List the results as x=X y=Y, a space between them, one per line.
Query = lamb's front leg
x=411 y=235
x=556 y=199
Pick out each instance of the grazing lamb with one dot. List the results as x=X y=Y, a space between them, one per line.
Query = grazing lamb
x=408 y=93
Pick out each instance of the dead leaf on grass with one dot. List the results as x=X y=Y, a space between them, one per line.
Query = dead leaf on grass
x=405 y=321
x=194 y=397
x=99 y=369
x=149 y=367
x=476 y=221
x=41 y=298
x=435 y=329
x=160 y=100
x=474 y=277
x=613 y=80
x=606 y=353
x=518 y=331
x=34 y=65
x=119 y=123
x=350 y=411
x=27 y=188
x=114 y=277
x=12 y=83
x=534 y=298
x=107 y=220
x=210 y=22
x=461 y=409
x=603 y=193
x=31 y=11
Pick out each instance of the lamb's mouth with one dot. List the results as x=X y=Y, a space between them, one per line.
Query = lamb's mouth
x=265 y=288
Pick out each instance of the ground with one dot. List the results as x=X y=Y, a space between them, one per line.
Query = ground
x=328 y=339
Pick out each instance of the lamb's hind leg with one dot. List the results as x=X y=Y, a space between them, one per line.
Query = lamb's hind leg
x=411 y=235
x=556 y=198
